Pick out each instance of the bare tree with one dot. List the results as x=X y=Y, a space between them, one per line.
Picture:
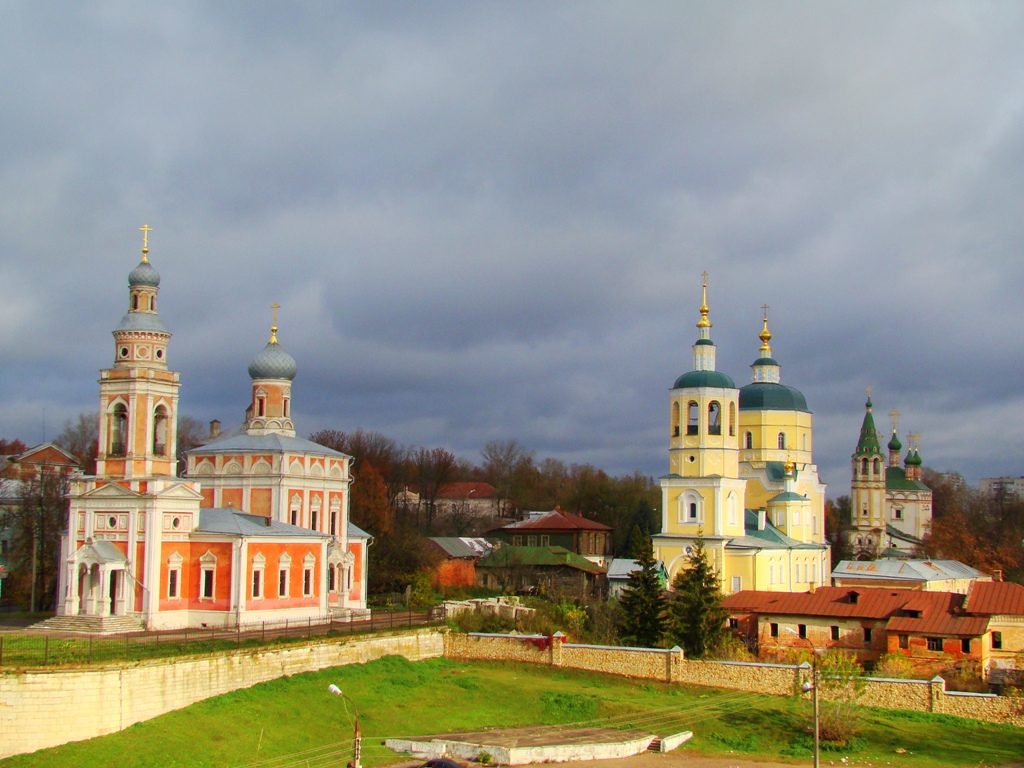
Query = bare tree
x=80 y=437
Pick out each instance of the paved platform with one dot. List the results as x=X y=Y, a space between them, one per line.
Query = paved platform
x=539 y=744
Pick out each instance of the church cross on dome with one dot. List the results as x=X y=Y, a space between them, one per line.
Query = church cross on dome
x=145 y=229
x=273 y=327
x=894 y=415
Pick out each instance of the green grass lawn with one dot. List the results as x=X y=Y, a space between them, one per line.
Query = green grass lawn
x=296 y=722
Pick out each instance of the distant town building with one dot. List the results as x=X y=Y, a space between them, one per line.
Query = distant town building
x=927 y=575
x=1002 y=487
x=619 y=571
x=556 y=528
x=890 y=507
x=742 y=475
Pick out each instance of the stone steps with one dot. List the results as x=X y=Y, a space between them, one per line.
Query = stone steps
x=95 y=625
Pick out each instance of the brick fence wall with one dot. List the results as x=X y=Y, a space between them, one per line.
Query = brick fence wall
x=44 y=708
x=773 y=679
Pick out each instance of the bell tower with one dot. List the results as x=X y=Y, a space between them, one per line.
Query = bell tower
x=138 y=394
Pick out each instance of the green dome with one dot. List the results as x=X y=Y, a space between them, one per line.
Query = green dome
x=914 y=459
x=704 y=379
x=895 y=444
x=763 y=396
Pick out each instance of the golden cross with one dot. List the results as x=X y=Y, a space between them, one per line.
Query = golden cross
x=868 y=390
x=765 y=308
x=895 y=416
x=273 y=328
x=145 y=229
x=705 y=276
x=915 y=440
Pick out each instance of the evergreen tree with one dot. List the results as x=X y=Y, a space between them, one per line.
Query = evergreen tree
x=642 y=621
x=696 y=619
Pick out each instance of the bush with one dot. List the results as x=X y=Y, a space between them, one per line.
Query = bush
x=894 y=665
x=839 y=688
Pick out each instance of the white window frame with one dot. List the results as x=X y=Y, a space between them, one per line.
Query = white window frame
x=284 y=566
x=308 y=569
x=257 y=587
x=174 y=576
x=207 y=564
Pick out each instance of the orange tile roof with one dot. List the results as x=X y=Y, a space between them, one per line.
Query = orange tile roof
x=996 y=598
x=556 y=520
x=871 y=602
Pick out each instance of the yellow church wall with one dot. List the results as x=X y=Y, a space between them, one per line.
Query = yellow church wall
x=765 y=426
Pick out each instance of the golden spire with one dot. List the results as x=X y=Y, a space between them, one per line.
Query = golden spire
x=145 y=229
x=273 y=328
x=704 y=322
x=765 y=336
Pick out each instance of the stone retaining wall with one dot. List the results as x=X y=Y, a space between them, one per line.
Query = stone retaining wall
x=773 y=679
x=44 y=708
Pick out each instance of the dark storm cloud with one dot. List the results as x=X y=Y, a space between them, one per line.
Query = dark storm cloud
x=489 y=220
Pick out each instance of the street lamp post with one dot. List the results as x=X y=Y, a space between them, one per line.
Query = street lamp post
x=358 y=741
x=813 y=686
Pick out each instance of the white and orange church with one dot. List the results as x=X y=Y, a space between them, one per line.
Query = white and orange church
x=257 y=530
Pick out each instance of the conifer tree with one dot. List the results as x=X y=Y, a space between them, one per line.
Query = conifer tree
x=696 y=619
x=642 y=617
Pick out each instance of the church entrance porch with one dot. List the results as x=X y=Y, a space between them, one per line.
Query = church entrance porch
x=97 y=581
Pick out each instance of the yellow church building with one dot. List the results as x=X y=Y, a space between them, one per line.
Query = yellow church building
x=741 y=475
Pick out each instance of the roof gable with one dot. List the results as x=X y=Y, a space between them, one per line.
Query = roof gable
x=996 y=598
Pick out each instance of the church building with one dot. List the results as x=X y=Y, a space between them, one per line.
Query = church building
x=741 y=476
x=257 y=530
x=890 y=507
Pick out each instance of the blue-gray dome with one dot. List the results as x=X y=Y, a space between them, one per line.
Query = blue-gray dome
x=144 y=274
x=149 y=322
x=272 y=363
x=702 y=379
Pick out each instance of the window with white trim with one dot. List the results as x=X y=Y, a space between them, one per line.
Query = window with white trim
x=207 y=575
x=308 y=564
x=258 y=563
x=284 y=565
x=174 y=576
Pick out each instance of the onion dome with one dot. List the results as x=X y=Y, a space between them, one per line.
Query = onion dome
x=895 y=444
x=914 y=459
x=144 y=274
x=704 y=379
x=273 y=362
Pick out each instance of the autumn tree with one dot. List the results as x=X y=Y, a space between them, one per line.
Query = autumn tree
x=435 y=468
x=642 y=604
x=35 y=516
x=506 y=465
x=369 y=502
x=696 y=619
x=80 y=437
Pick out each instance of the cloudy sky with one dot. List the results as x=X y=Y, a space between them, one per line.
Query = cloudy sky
x=489 y=220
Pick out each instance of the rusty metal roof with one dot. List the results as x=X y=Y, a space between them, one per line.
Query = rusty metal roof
x=941 y=614
x=996 y=598
x=840 y=602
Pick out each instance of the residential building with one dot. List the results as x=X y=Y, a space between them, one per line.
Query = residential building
x=575 y=533
x=1002 y=487
x=742 y=475
x=619 y=571
x=546 y=570
x=928 y=575
x=459 y=557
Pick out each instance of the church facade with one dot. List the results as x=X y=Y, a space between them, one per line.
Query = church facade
x=890 y=506
x=257 y=529
x=741 y=476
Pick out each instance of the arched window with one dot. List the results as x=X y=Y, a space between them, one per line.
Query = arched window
x=878 y=466
x=287 y=403
x=694 y=416
x=118 y=429
x=748 y=440
x=160 y=431
x=782 y=441
x=693 y=510
x=675 y=419
x=732 y=419
x=261 y=406
x=135 y=302
x=714 y=418
x=864 y=467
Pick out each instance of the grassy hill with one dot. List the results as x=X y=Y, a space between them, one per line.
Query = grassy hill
x=296 y=722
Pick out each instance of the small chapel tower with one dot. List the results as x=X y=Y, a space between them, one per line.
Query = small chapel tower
x=138 y=394
x=867 y=505
x=272 y=372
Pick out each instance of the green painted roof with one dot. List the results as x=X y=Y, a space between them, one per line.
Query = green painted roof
x=765 y=361
x=539 y=556
x=765 y=396
x=705 y=342
x=868 y=443
x=895 y=444
x=704 y=379
x=896 y=480
x=787 y=496
x=775 y=470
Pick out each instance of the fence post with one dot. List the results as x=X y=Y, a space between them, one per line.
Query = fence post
x=90 y=649
x=238 y=627
x=1 y=650
x=263 y=635
x=46 y=650
x=309 y=627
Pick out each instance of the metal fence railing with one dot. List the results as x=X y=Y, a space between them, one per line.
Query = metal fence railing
x=53 y=648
